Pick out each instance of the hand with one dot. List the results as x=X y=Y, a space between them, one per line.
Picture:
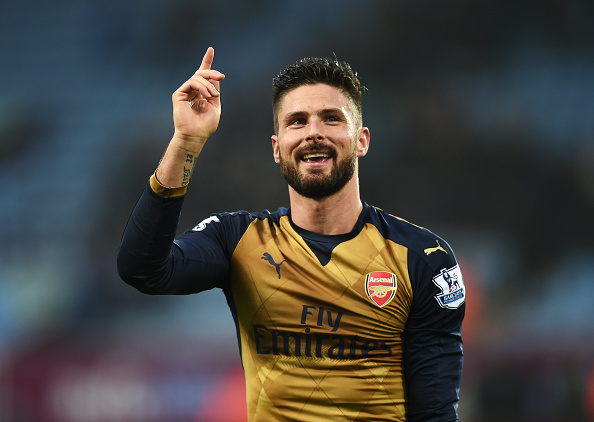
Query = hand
x=197 y=103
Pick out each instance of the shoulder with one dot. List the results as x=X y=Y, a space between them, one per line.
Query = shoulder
x=223 y=230
x=421 y=243
x=430 y=258
x=239 y=219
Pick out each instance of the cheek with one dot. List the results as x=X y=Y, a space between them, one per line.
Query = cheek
x=281 y=152
x=286 y=147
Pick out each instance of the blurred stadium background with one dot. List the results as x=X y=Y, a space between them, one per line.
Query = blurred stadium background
x=482 y=123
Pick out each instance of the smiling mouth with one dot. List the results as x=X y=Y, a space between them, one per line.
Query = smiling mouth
x=315 y=157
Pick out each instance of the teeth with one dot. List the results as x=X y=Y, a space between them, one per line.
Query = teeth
x=315 y=155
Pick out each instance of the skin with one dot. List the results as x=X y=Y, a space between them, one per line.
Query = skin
x=323 y=115
x=319 y=115
x=196 y=115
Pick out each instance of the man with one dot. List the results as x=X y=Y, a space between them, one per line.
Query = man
x=343 y=312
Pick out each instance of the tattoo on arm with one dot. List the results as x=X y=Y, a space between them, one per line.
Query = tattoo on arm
x=186 y=178
x=188 y=170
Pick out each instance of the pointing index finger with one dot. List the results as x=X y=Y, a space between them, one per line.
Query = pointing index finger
x=207 y=59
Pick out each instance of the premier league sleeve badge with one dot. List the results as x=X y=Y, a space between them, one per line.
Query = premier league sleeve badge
x=451 y=283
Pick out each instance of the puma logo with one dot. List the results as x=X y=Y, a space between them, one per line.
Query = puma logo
x=270 y=260
x=429 y=251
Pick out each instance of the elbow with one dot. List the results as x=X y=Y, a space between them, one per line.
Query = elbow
x=134 y=273
x=125 y=269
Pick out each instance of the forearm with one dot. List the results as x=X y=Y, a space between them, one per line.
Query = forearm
x=177 y=164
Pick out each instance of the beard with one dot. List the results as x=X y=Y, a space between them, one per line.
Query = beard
x=316 y=185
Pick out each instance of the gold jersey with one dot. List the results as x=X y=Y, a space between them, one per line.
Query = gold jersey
x=357 y=327
x=313 y=343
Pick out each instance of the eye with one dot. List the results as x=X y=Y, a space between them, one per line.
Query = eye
x=333 y=119
x=297 y=122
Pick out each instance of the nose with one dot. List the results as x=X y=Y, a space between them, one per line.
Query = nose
x=314 y=131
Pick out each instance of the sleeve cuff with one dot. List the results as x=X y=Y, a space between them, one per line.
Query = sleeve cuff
x=166 y=192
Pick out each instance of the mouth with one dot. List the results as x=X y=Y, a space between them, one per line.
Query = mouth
x=316 y=157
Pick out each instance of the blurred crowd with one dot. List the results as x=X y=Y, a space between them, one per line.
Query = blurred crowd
x=482 y=129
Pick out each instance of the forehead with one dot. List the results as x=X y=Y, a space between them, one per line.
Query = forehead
x=310 y=98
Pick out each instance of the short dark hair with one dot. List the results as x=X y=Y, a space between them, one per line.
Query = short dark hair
x=314 y=70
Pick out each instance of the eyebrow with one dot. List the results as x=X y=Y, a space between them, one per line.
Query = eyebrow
x=294 y=115
x=323 y=112
x=331 y=111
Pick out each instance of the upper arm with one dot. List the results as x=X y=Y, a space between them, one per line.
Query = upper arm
x=200 y=257
x=433 y=354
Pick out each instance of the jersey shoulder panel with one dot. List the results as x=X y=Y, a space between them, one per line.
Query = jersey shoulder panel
x=425 y=245
x=435 y=276
x=227 y=228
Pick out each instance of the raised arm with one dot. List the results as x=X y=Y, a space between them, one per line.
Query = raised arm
x=196 y=114
x=147 y=258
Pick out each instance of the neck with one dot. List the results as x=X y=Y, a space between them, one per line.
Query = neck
x=336 y=214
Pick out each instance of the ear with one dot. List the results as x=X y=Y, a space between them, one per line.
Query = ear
x=363 y=142
x=275 y=152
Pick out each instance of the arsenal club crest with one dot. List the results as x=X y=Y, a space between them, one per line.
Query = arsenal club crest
x=380 y=287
